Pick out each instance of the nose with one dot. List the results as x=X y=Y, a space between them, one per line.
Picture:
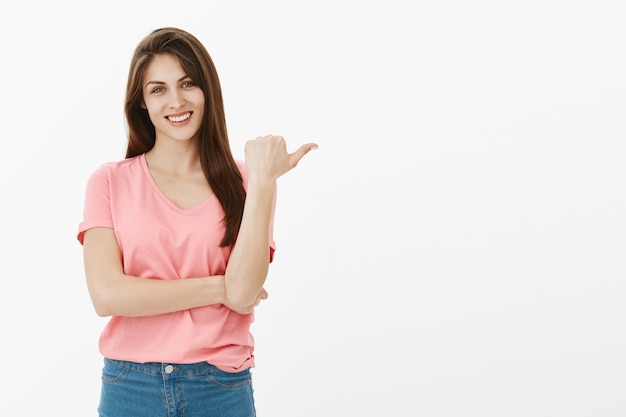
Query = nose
x=176 y=99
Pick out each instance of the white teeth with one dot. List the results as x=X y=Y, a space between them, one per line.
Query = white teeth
x=179 y=118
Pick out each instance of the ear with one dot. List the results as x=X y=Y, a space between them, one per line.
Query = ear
x=143 y=106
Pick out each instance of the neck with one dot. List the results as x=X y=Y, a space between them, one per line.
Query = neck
x=174 y=157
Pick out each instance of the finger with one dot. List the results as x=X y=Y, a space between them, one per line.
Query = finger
x=296 y=156
x=263 y=294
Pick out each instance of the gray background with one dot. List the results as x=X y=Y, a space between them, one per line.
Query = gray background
x=454 y=248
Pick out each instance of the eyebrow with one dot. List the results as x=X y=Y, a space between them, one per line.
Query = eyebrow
x=161 y=82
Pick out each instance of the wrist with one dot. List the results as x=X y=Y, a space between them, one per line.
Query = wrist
x=261 y=182
x=215 y=290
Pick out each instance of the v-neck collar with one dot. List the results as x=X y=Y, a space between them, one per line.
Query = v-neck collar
x=155 y=187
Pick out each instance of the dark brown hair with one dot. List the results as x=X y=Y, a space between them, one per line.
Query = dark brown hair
x=216 y=158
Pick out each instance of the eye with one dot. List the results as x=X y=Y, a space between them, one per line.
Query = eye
x=157 y=90
x=189 y=84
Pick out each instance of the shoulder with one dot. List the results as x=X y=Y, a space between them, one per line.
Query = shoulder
x=123 y=165
x=109 y=173
x=117 y=168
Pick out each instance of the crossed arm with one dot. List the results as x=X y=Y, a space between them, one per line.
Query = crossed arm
x=114 y=293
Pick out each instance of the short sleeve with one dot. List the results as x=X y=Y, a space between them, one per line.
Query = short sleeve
x=97 y=206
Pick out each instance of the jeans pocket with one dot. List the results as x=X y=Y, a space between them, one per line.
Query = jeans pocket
x=113 y=371
x=230 y=379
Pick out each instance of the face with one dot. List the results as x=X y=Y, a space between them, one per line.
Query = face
x=174 y=102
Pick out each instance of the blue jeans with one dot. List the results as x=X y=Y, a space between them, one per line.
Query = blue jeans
x=132 y=389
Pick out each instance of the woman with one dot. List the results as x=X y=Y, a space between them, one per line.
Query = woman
x=177 y=241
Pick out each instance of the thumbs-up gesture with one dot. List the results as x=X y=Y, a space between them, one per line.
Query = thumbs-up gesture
x=267 y=157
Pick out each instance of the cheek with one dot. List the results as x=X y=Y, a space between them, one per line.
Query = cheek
x=197 y=98
x=152 y=109
x=200 y=113
x=200 y=104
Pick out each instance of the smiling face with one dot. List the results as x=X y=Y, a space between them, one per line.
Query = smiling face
x=174 y=102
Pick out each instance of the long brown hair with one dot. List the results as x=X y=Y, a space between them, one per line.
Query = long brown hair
x=216 y=158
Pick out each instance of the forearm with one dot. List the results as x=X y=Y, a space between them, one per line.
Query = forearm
x=131 y=296
x=249 y=260
x=114 y=293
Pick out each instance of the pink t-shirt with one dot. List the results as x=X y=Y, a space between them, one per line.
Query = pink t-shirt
x=160 y=240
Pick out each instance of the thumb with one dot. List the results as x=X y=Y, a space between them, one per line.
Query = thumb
x=296 y=156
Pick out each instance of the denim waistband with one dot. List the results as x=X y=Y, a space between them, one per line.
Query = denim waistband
x=169 y=369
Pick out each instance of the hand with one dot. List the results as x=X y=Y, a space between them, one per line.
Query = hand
x=267 y=157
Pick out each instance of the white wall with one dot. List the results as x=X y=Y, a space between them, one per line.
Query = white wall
x=454 y=248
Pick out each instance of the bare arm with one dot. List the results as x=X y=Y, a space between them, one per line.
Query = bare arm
x=266 y=160
x=115 y=294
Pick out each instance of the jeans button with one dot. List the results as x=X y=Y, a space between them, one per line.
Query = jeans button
x=169 y=369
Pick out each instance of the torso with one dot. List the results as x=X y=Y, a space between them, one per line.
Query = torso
x=160 y=240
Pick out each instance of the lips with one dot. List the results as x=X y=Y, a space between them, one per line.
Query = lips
x=179 y=118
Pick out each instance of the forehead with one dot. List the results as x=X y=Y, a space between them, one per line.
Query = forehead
x=163 y=68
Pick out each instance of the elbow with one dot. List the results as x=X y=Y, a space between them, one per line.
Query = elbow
x=244 y=302
x=240 y=302
x=244 y=290
x=102 y=310
x=101 y=305
x=102 y=313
